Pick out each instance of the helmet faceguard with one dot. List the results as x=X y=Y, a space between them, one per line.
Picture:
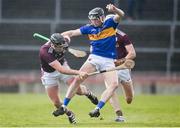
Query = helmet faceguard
x=59 y=42
x=96 y=13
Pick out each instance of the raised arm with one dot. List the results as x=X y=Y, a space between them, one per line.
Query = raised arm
x=118 y=12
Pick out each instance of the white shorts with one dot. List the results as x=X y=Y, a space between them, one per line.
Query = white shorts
x=124 y=75
x=101 y=63
x=53 y=78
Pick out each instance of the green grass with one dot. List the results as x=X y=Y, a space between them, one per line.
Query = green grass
x=34 y=110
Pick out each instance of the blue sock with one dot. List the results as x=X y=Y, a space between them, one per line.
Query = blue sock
x=66 y=101
x=100 y=104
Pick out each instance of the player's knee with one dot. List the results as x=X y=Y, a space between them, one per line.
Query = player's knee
x=79 y=92
x=114 y=86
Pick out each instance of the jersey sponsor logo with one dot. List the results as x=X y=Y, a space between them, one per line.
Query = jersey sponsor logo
x=50 y=50
x=103 y=34
x=93 y=30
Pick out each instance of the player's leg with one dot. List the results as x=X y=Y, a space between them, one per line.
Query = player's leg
x=76 y=84
x=128 y=91
x=51 y=85
x=52 y=93
x=111 y=79
x=83 y=90
x=125 y=80
x=127 y=85
x=114 y=101
x=52 y=89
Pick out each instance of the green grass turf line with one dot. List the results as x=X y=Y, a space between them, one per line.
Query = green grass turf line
x=34 y=110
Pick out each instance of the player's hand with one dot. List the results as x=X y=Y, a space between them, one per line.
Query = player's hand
x=67 y=39
x=111 y=8
x=83 y=75
x=119 y=61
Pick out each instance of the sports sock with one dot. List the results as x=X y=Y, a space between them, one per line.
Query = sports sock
x=100 y=104
x=68 y=113
x=66 y=101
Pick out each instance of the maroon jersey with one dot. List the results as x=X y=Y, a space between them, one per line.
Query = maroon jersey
x=48 y=55
x=122 y=41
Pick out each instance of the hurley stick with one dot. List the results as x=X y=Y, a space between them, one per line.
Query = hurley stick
x=128 y=64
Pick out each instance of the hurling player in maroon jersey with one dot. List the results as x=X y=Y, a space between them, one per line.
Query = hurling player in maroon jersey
x=55 y=69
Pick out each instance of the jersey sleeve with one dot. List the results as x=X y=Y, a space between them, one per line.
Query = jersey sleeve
x=111 y=23
x=126 y=40
x=47 y=57
x=84 y=29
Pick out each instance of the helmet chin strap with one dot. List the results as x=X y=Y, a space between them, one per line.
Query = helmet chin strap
x=101 y=19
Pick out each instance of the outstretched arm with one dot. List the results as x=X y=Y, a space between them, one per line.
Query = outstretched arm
x=57 y=66
x=72 y=33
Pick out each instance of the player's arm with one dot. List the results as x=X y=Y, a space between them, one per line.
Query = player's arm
x=56 y=65
x=131 y=54
x=118 y=12
x=131 y=51
x=72 y=33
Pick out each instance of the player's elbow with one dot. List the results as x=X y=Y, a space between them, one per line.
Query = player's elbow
x=133 y=54
x=62 y=71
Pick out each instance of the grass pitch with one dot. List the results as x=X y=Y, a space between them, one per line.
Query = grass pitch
x=34 y=110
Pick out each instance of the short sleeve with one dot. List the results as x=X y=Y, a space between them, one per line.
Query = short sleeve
x=126 y=40
x=47 y=57
x=84 y=29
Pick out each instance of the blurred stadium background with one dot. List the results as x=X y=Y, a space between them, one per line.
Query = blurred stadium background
x=155 y=36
